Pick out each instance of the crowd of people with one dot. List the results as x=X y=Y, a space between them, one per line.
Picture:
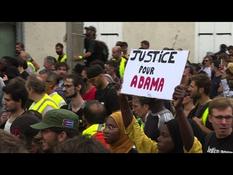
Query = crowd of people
x=52 y=109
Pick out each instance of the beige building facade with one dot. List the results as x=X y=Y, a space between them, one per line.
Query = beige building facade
x=199 y=38
x=40 y=38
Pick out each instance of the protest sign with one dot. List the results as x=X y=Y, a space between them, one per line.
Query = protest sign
x=154 y=73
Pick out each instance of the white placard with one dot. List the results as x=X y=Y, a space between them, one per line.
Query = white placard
x=154 y=73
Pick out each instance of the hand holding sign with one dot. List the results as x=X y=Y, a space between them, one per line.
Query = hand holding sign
x=179 y=95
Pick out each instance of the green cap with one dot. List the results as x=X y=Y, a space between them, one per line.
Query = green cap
x=60 y=118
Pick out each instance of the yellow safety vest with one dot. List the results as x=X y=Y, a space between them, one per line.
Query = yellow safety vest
x=63 y=59
x=58 y=99
x=205 y=116
x=92 y=130
x=31 y=67
x=122 y=67
x=43 y=103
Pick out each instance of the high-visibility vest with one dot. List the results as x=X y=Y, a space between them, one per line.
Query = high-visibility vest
x=31 y=68
x=43 y=103
x=63 y=59
x=205 y=116
x=122 y=67
x=93 y=129
x=58 y=99
x=140 y=122
x=96 y=131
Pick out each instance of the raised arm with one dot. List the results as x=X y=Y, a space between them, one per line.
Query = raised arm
x=127 y=114
x=185 y=128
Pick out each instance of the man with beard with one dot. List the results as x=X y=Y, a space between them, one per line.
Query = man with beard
x=57 y=126
x=106 y=92
x=61 y=69
x=199 y=90
x=15 y=97
x=74 y=88
x=89 y=45
x=95 y=50
x=62 y=57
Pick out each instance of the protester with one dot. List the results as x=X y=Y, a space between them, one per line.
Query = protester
x=10 y=144
x=172 y=136
x=74 y=86
x=62 y=57
x=115 y=136
x=49 y=63
x=42 y=102
x=81 y=144
x=121 y=61
x=145 y=44
x=106 y=92
x=57 y=126
x=89 y=89
x=62 y=71
x=221 y=118
x=21 y=129
x=199 y=90
x=20 y=52
x=94 y=119
x=15 y=97
x=51 y=83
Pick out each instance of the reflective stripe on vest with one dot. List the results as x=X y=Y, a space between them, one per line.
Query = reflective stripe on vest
x=122 y=67
x=205 y=116
x=58 y=99
x=63 y=59
x=31 y=67
x=43 y=103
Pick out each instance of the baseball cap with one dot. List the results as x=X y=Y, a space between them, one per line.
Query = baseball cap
x=94 y=71
x=21 y=125
x=60 y=118
x=92 y=28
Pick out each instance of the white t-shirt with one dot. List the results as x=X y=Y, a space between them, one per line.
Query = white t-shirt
x=208 y=71
x=7 y=126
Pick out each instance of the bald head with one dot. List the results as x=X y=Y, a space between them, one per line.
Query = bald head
x=116 y=52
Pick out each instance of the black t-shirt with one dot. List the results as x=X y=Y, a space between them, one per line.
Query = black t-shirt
x=24 y=75
x=109 y=98
x=215 y=83
x=89 y=45
x=198 y=111
x=215 y=145
x=93 y=46
x=151 y=127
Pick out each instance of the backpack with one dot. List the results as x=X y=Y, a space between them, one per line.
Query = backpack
x=102 y=50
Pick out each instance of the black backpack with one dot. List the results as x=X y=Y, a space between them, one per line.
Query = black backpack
x=102 y=50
